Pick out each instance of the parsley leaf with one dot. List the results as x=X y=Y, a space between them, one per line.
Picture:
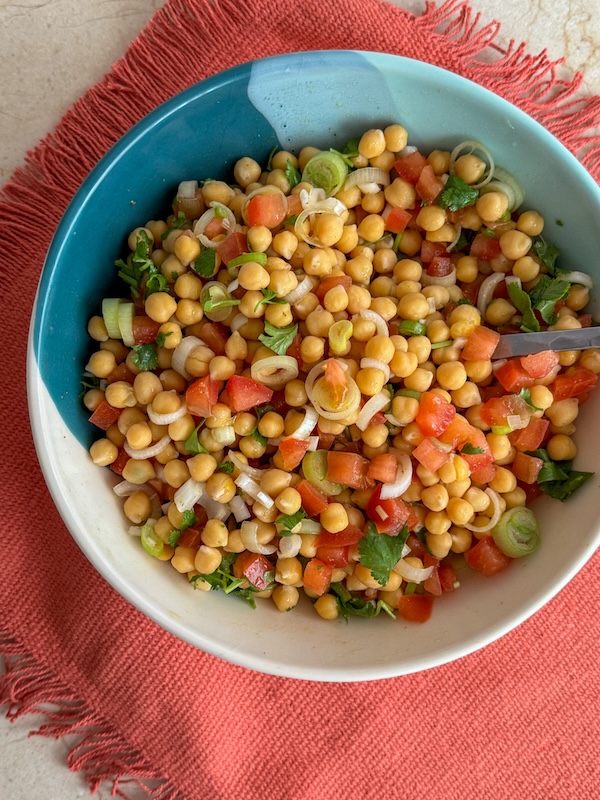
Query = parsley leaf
x=173 y=538
x=226 y=466
x=179 y=222
x=289 y=521
x=379 y=552
x=88 y=382
x=206 y=263
x=270 y=160
x=222 y=578
x=160 y=339
x=470 y=450
x=545 y=294
x=292 y=174
x=457 y=194
x=547 y=254
x=269 y=298
x=349 y=152
x=188 y=519
x=349 y=605
x=145 y=357
x=557 y=478
x=278 y=339
x=216 y=298
x=139 y=267
x=259 y=437
x=522 y=303
x=192 y=443
x=525 y=394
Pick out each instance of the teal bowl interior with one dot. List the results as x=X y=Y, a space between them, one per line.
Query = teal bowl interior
x=323 y=99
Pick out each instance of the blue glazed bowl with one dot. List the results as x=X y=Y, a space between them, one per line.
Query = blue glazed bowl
x=323 y=99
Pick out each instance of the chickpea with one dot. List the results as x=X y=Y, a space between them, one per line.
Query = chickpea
x=139 y=435
x=590 y=359
x=285 y=597
x=176 y=473
x=461 y=539
x=349 y=238
x=435 y=497
x=370 y=381
x=101 y=363
x=207 y=559
x=372 y=143
x=451 y=375
x=470 y=168
x=420 y=380
x=288 y=571
x=491 y=206
x=477 y=499
x=246 y=171
x=334 y=518
x=561 y=448
x=478 y=371
x=413 y=306
x=312 y=349
x=160 y=306
x=138 y=471
x=202 y=466
x=503 y=481
x=439 y=545
x=514 y=244
x=319 y=262
x=400 y=194
x=541 y=396
x=360 y=269
x=326 y=607
x=97 y=329
x=526 y=268
x=431 y=218
x=104 y=452
x=499 y=444
x=288 y=501
x=137 y=507
x=563 y=412
x=531 y=223
x=120 y=395
x=395 y=137
x=499 y=311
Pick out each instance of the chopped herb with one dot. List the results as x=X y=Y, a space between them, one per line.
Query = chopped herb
x=216 y=298
x=461 y=242
x=470 y=450
x=226 y=466
x=188 y=519
x=545 y=294
x=160 y=338
x=465 y=302
x=173 y=538
x=269 y=298
x=351 y=606
x=88 y=382
x=397 y=241
x=260 y=258
x=525 y=394
x=139 y=267
x=437 y=345
x=292 y=174
x=259 y=437
x=349 y=152
x=557 y=478
x=192 y=443
x=222 y=578
x=391 y=389
x=289 y=521
x=410 y=588
x=379 y=552
x=560 y=223
x=221 y=211
x=488 y=233
x=145 y=357
x=547 y=254
x=457 y=194
x=179 y=222
x=278 y=339
x=206 y=263
x=291 y=220
x=522 y=303
x=270 y=160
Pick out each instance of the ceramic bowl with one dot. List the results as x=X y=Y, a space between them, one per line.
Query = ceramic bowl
x=323 y=99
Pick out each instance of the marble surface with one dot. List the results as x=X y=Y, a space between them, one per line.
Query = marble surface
x=52 y=50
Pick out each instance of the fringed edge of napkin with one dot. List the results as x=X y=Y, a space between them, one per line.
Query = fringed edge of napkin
x=52 y=173
x=99 y=752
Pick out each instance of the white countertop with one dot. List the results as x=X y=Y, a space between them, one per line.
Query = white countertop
x=51 y=52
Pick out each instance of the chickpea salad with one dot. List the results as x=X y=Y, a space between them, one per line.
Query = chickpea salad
x=297 y=387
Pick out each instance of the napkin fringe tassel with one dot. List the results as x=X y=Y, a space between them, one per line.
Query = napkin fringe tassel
x=97 y=751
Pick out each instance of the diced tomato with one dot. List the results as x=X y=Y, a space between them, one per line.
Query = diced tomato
x=121 y=373
x=435 y=414
x=349 y=469
x=294 y=350
x=214 y=335
x=526 y=468
x=447 y=577
x=326 y=440
x=484 y=474
x=350 y=535
x=432 y=454
x=292 y=451
x=487 y=392
x=532 y=491
x=513 y=377
x=496 y=410
x=244 y=393
x=585 y=320
x=432 y=584
x=484 y=248
x=255 y=568
x=415 y=607
x=480 y=345
x=313 y=499
x=538 y=365
x=389 y=516
x=417 y=548
x=278 y=402
x=267 y=209
x=329 y=282
x=471 y=290
x=429 y=186
x=317 y=576
x=294 y=205
x=409 y=166
x=201 y=396
x=232 y=247
x=118 y=464
x=335 y=557
x=440 y=266
x=431 y=249
x=501 y=291
x=190 y=537
x=458 y=432
x=531 y=437
x=396 y=219
x=573 y=383
x=486 y=557
x=144 y=329
x=359 y=214
x=477 y=461
x=383 y=467
x=214 y=228
x=105 y=415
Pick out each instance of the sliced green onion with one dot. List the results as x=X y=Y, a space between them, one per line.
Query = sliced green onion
x=411 y=328
x=456 y=585
x=110 y=315
x=410 y=588
x=150 y=541
x=326 y=170
x=397 y=241
x=409 y=393
x=125 y=315
x=314 y=467
x=517 y=532
x=501 y=430
x=260 y=258
x=340 y=334
x=436 y=345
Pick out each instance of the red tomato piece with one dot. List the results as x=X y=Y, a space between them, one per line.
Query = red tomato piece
x=317 y=576
x=349 y=469
x=396 y=219
x=415 y=607
x=118 y=464
x=350 y=535
x=267 y=209
x=329 y=282
x=573 y=383
x=486 y=557
x=481 y=344
x=513 y=377
x=201 y=396
x=484 y=474
x=313 y=499
x=440 y=266
x=477 y=461
x=484 y=248
x=214 y=335
x=538 y=365
x=496 y=410
x=292 y=451
x=435 y=414
x=409 y=167
x=121 y=373
x=417 y=548
x=326 y=440
x=389 y=516
x=105 y=415
x=429 y=186
x=190 y=537
x=244 y=393
x=431 y=249
x=144 y=329
x=432 y=584
x=294 y=205
x=585 y=320
x=235 y=245
x=335 y=557
x=458 y=432
x=432 y=454
x=383 y=467
x=531 y=437
x=491 y=391
x=255 y=568
x=214 y=228
x=526 y=468
x=447 y=577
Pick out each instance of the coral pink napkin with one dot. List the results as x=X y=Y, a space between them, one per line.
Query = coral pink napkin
x=516 y=720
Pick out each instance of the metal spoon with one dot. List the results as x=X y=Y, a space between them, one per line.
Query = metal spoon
x=523 y=344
